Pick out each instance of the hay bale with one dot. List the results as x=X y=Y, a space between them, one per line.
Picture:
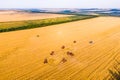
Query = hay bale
x=63 y=47
x=64 y=60
x=38 y=36
x=90 y=42
x=52 y=53
x=70 y=53
x=74 y=41
x=45 y=61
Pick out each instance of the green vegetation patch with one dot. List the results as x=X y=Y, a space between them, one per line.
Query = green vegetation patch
x=29 y=24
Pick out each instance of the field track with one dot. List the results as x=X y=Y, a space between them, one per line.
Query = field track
x=97 y=47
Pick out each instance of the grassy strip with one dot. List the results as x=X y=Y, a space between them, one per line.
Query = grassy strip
x=21 y=25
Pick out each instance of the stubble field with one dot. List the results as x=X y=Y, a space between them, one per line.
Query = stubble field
x=81 y=50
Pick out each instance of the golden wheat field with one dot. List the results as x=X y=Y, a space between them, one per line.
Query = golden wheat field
x=81 y=50
x=12 y=15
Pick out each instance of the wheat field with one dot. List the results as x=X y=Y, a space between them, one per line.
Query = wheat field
x=14 y=15
x=81 y=50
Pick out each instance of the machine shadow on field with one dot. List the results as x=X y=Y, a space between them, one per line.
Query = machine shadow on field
x=115 y=72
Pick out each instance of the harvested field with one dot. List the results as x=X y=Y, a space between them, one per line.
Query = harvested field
x=6 y=16
x=29 y=24
x=93 y=46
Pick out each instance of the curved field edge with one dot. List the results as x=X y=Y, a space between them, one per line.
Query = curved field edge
x=21 y=25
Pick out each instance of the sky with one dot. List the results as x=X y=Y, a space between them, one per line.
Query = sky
x=59 y=3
